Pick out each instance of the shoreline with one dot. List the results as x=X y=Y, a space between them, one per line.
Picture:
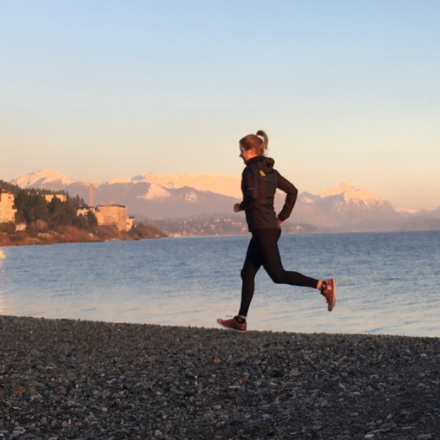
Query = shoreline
x=50 y=243
x=72 y=235
x=87 y=379
x=34 y=241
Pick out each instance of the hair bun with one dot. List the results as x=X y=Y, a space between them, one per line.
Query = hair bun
x=262 y=134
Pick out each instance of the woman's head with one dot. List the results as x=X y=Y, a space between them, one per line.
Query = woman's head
x=253 y=145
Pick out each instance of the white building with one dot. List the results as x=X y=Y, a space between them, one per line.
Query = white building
x=49 y=197
x=7 y=210
x=116 y=215
x=130 y=223
x=83 y=211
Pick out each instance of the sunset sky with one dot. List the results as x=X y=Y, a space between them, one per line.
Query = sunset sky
x=346 y=90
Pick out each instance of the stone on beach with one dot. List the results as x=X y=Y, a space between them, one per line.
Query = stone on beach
x=69 y=379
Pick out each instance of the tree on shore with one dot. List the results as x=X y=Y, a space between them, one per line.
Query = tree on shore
x=9 y=187
x=91 y=220
x=59 y=214
x=77 y=201
x=32 y=207
x=147 y=231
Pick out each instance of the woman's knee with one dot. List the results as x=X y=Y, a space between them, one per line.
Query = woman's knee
x=277 y=277
x=245 y=274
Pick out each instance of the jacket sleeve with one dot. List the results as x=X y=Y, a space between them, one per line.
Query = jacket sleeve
x=249 y=186
x=291 y=195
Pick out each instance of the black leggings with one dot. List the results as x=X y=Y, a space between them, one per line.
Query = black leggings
x=263 y=251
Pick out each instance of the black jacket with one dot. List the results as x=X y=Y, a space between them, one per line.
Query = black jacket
x=259 y=183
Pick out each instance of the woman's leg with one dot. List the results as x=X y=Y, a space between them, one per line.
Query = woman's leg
x=270 y=255
x=251 y=265
x=263 y=251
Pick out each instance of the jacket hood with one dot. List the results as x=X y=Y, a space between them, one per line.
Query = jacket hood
x=264 y=163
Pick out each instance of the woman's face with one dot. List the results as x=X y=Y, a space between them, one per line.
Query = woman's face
x=246 y=154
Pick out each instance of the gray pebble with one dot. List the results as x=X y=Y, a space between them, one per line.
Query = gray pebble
x=89 y=380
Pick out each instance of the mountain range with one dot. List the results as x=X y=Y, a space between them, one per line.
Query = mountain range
x=343 y=208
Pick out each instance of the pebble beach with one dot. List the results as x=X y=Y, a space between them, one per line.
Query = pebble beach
x=68 y=379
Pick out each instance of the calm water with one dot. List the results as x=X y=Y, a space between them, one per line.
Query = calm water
x=387 y=283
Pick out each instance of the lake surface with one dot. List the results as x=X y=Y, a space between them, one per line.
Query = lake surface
x=388 y=283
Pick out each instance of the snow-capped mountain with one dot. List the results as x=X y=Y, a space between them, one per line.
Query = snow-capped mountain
x=421 y=219
x=220 y=184
x=148 y=195
x=347 y=193
x=419 y=213
x=343 y=208
x=346 y=207
x=407 y=213
x=44 y=179
x=154 y=201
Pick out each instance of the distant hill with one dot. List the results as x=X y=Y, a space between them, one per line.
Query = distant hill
x=155 y=201
x=43 y=179
x=175 y=196
x=143 y=196
x=219 y=224
x=220 y=184
x=424 y=224
x=346 y=208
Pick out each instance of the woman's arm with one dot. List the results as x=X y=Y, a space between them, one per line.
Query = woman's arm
x=249 y=185
x=291 y=195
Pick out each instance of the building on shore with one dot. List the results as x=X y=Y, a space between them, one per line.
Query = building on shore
x=84 y=211
x=49 y=197
x=109 y=214
x=7 y=210
x=130 y=223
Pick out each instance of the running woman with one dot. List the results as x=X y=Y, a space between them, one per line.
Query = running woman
x=259 y=183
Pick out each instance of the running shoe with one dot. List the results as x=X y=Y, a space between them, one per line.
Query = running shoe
x=232 y=324
x=328 y=290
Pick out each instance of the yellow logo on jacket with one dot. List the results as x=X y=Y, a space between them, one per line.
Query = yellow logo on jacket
x=262 y=174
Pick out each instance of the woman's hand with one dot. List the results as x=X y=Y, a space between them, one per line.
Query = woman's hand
x=281 y=222
x=237 y=207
